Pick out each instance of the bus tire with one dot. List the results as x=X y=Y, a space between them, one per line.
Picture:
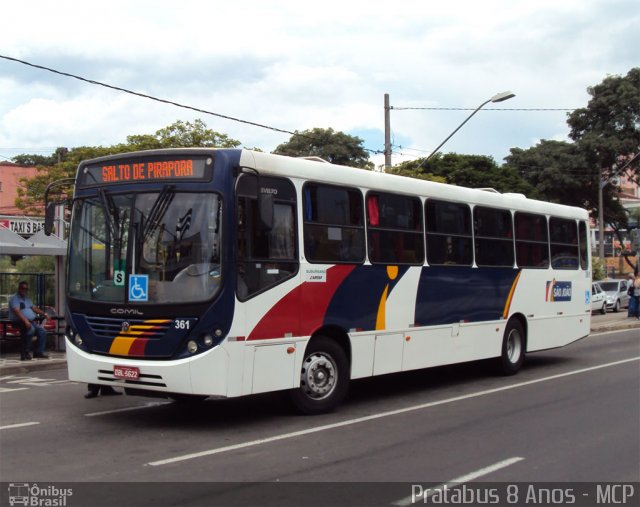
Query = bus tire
x=513 y=348
x=324 y=377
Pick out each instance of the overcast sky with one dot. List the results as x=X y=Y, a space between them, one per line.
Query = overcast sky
x=296 y=65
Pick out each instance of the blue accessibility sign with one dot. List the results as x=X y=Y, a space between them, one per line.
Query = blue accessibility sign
x=138 y=287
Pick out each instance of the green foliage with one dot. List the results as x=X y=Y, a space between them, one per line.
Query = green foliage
x=472 y=171
x=41 y=160
x=606 y=135
x=410 y=170
x=182 y=135
x=598 y=270
x=561 y=173
x=607 y=131
x=335 y=147
x=64 y=162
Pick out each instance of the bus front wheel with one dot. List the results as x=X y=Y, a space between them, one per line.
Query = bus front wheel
x=513 y=348
x=324 y=377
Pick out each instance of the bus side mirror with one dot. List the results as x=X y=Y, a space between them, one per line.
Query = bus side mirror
x=265 y=211
x=49 y=214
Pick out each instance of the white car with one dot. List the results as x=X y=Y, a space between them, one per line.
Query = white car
x=598 y=299
x=616 y=292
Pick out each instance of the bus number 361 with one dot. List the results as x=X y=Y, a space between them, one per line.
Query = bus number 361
x=182 y=324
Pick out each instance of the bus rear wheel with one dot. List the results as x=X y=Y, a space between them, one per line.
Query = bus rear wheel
x=324 y=377
x=513 y=348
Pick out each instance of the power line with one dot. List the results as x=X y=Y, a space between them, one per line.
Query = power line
x=164 y=101
x=144 y=95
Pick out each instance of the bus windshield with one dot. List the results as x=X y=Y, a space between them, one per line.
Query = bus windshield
x=172 y=239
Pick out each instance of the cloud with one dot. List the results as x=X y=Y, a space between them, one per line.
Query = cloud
x=278 y=64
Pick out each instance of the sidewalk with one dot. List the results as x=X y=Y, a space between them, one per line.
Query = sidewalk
x=10 y=363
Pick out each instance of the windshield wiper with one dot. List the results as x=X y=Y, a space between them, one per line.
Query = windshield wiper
x=107 y=212
x=157 y=212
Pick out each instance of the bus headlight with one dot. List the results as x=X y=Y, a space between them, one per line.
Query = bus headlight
x=192 y=346
x=78 y=340
x=207 y=340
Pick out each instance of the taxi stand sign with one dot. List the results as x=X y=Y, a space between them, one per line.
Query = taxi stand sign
x=139 y=288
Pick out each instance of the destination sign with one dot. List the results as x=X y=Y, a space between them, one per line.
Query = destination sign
x=145 y=171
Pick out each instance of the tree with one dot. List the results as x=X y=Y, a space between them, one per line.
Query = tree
x=560 y=173
x=335 y=147
x=64 y=162
x=606 y=137
x=472 y=171
x=42 y=160
x=607 y=131
x=182 y=135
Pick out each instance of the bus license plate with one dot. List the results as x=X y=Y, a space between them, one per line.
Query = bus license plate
x=126 y=372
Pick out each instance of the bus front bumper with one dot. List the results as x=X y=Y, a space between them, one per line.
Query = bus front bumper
x=204 y=374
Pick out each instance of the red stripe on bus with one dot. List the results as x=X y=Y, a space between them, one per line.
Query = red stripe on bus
x=285 y=316
x=138 y=347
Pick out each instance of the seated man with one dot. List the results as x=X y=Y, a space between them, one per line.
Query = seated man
x=23 y=313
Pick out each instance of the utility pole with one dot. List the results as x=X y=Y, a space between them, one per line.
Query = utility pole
x=601 y=185
x=387 y=133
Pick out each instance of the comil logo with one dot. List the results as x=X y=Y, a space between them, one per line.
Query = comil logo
x=23 y=493
x=558 y=291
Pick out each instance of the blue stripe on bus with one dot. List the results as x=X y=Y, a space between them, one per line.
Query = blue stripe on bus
x=448 y=294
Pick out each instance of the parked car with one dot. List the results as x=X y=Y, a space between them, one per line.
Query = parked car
x=49 y=324
x=616 y=292
x=598 y=299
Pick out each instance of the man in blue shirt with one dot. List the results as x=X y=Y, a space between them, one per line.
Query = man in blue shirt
x=24 y=314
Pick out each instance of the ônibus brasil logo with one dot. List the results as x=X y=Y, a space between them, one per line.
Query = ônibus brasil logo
x=558 y=291
x=23 y=493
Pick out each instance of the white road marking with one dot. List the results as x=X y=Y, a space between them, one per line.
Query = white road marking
x=34 y=381
x=427 y=491
x=20 y=425
x=373 y=417
x=128 y=409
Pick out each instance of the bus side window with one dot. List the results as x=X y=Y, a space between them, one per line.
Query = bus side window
x=448 y=227
x=394 y=229
x=333 y=224
x=493 y=237
x=532 y=245
x=565 y=252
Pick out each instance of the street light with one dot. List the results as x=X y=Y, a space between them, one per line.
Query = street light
x=499 y=97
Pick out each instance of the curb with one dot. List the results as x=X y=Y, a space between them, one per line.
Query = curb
x=616 y=327
x=33 y=365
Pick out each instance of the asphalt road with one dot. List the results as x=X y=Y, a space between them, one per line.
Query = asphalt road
x=571 y=418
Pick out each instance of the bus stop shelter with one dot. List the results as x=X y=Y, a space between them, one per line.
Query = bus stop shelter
x=39 y=244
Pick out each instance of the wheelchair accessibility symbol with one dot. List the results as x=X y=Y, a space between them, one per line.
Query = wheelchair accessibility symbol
x=138 y=287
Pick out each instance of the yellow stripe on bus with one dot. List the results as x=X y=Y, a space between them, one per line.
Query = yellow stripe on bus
x=381 y=319
x=121 y=346
x=507 y=306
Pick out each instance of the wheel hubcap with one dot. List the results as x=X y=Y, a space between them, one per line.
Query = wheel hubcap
x=319 y=376
x=514 y=346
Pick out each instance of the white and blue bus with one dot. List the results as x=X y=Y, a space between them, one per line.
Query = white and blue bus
x=228 y=272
